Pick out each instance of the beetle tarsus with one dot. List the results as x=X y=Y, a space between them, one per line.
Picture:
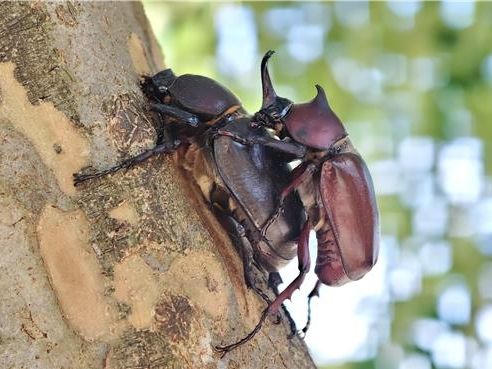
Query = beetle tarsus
x=313 y=293
x=273 y=308
x=225 y=349
x=271 y=220
x=233 y=136
x=163 y=148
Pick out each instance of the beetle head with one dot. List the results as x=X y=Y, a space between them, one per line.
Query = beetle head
x=158 y=85
x=274 y=108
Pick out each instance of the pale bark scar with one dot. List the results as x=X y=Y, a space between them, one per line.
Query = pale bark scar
x=74 y=272
x=138 y=55
x=136 y=286
x=61 y=147
x=124 y=212
x=200 y=277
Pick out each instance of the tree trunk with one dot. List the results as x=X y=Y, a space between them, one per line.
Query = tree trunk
x=129 y=270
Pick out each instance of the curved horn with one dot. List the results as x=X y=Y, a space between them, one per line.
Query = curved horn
x=269 y=94
x=320 y=99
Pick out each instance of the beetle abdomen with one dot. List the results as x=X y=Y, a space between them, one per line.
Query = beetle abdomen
x=202 y=95
x=329 y=267
x=256 y=180
x=348 y=197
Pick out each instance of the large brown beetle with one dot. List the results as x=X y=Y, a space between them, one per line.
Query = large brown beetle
x=240 y=182
x=335 y=187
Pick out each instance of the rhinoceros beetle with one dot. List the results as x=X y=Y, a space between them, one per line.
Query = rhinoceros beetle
x=335 y=187
x=334 y=175
x=240 y=182
x=332 y=181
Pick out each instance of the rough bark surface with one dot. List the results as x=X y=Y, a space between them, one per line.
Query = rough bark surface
x=129 y=271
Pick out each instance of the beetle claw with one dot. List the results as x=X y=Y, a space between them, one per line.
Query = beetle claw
x=265 y=239
x=271 y=220
x=225 y=349
x=278 y=319
x=78 y=178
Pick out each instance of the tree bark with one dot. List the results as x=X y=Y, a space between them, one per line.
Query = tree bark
x=131 y=270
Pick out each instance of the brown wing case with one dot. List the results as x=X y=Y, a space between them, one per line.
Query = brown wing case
x=348 y=197
x=203 y=95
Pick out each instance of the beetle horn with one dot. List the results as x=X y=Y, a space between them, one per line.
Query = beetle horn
x=320 y=99
x=269 y=94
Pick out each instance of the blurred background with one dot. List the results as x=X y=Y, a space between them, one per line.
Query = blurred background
x=412 y=82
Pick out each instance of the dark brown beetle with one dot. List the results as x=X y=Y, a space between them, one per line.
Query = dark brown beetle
x=240 y=182
x=335 y=187
x=191 y=99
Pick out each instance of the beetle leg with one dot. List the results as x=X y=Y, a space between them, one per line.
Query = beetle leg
x=297 y=151
x=223 y=350
x=299 y=175
x=304 y=261
x=163 y=132
x=313 y=293
x=166 y=147
x=304 y=265
x=176 y=113
x=237 y=231
x=274 y=280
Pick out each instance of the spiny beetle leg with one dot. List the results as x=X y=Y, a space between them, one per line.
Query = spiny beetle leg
x=223 y=350
x=314 y=292
x=78 y=178
x=304 y=265
x=234 y=137
x=294 y=150
x=238 y=233
x=176 y=113
x=274 y=280
x=299 y=175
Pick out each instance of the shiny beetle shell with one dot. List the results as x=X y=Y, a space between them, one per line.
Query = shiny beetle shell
x=202 y=95
x=194 y=93
x=255 y=179
x=314 y=124
x=348 y=197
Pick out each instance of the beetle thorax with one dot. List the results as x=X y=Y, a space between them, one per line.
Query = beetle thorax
x=311 y=199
